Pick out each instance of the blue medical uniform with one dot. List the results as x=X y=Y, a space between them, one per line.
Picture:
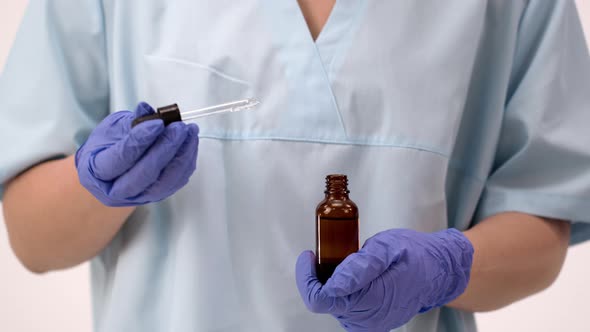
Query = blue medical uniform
x=441 y=113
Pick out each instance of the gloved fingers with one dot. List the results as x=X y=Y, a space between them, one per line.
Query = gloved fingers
x=111 y=162
x=143 y=109
x=310 y=288
x=147 y=170
x=178 y=172
x=361 y=268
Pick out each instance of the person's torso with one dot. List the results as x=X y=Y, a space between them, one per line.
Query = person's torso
x=404 y=97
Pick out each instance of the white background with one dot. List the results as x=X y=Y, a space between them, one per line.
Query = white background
x=61 y=301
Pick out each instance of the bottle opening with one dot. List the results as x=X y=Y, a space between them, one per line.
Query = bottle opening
x=337 y=184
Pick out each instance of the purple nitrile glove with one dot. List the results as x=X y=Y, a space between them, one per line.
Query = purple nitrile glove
x=124 y=166
x=396 y=275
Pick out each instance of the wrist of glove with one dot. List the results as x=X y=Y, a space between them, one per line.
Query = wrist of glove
x=125 y=166
x=396 y=275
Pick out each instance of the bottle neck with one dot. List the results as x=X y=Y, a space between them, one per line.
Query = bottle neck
x=337 y=196
x=336 y=187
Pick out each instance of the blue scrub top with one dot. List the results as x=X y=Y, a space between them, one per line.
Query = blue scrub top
x=442 y=113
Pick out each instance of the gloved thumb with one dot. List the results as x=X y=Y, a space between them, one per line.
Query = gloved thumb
x=359 y=269
x=310 y=288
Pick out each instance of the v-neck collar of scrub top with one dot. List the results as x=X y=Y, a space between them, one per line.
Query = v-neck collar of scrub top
x=310 y=65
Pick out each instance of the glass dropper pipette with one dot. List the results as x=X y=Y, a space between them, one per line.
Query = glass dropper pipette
x=172 y=113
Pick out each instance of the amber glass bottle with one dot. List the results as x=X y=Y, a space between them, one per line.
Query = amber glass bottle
x=337 y=226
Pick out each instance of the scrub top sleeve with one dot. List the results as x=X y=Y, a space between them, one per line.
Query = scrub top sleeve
x=54 y=86
x=542 y=162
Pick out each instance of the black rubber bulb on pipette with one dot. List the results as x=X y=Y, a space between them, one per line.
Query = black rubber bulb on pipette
x=168 y=114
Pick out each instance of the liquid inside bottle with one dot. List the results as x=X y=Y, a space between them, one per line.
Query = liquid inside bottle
x=337 y=227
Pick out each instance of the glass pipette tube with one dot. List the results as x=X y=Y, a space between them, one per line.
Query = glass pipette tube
x=235 y=106
x=171 y=113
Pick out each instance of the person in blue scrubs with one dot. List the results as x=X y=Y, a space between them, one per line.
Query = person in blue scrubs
x=462 y=126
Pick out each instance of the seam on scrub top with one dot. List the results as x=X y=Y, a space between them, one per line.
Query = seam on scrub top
x=329 y=83
x=108 y=64
x=201 y=66
x=327 y=141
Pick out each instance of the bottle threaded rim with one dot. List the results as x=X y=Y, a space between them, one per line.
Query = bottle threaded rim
x=337 y=184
